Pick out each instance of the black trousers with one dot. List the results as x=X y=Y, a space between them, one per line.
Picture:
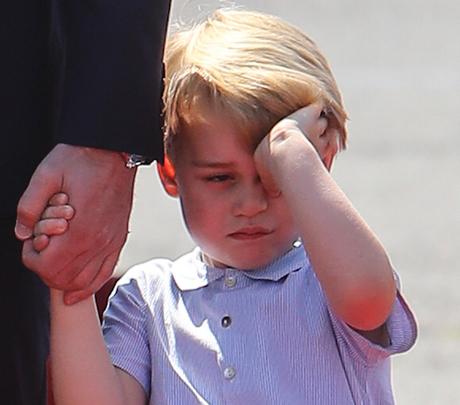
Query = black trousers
x=24 y=345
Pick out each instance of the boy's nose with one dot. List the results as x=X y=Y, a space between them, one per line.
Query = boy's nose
x=251 y=199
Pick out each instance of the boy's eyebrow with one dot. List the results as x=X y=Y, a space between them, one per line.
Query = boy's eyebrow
x=211 y=164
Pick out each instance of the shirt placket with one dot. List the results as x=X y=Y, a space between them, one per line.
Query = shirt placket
x=231 y=364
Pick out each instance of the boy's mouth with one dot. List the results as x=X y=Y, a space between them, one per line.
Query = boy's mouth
x=249 y=233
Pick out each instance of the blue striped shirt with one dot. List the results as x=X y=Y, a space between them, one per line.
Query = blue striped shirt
x=193 y=334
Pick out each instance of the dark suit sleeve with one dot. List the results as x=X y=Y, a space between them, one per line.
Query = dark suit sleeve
x=108 y=56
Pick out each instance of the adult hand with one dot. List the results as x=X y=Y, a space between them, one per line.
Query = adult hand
x=100 y=188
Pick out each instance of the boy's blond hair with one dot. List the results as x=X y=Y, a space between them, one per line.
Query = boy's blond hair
x=252 y=67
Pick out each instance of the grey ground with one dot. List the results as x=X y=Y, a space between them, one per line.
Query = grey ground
x=398 y=65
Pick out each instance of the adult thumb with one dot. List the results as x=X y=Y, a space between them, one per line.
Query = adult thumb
x=42 y=186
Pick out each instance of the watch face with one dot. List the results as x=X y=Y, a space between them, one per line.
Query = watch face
x=134 y=160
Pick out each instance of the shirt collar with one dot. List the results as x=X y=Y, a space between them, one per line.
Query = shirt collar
x=191 y=273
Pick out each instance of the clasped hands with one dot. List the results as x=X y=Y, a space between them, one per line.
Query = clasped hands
x=82 y=258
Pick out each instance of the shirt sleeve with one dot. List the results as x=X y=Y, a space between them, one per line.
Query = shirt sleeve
x=126 y=333
x=401 y=327
x=109 y=73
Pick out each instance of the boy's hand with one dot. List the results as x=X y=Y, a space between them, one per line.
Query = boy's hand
x=306 y=128
x=54 y=221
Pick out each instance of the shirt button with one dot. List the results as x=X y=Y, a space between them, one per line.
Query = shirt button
x=297 y=243
x=229 y=373
x=226 y=321
x=230 y=281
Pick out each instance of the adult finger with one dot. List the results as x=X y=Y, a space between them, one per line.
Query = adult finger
x=42 y=186
x=72 y=297
x=50 y=270
x=32 y=259
x=30 y=256
x=59 y=199
x=63 y=277
x=92 y=269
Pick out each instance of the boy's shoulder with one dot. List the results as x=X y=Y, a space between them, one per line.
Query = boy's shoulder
x=158 y=271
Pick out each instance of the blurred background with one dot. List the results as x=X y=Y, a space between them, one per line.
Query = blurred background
x=398 y=66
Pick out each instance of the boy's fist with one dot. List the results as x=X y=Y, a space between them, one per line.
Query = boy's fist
x=53 y=221
x=314 y=122
x=306 y=128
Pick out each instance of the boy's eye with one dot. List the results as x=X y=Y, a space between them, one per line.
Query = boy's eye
x=218 y=178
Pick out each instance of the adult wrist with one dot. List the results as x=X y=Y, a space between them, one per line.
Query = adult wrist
x=101 y=155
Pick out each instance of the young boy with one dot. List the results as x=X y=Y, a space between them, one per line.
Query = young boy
x=289 y=297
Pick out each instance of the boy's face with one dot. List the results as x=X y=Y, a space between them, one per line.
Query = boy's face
x=225 y=206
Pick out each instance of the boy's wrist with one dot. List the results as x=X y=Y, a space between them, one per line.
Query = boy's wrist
x=295 y=161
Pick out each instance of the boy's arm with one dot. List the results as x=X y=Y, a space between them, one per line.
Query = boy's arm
x=81 y=367
x=347 y=257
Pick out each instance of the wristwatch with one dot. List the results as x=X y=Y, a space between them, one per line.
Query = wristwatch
x=133 y=160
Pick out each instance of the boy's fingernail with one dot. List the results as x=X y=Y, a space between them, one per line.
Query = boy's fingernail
x=22 y=232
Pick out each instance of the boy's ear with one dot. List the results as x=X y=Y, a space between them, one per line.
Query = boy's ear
x=167 y=174
x=330 y=147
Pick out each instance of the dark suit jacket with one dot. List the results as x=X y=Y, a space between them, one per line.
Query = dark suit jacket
x=83 y=72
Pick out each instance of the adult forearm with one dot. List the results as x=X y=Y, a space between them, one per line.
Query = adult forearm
x=82 y=371
x=350 y=262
